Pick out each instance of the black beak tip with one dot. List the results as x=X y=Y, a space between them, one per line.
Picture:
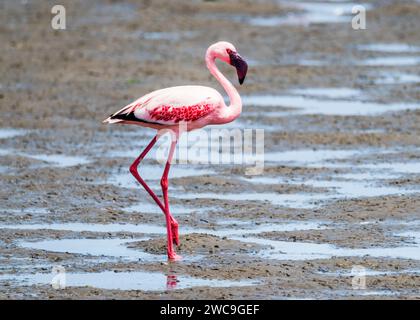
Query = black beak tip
x=240 y=64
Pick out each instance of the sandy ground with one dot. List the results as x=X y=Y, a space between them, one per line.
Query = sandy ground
x=57 y=87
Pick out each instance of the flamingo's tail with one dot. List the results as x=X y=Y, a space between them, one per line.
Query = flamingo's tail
x=110 y=120
x=119 y=115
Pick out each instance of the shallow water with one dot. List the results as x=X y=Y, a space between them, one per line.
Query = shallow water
x=248 y=228
x=304 y=157
x=90 y=227
x=136 y=280
x=281 y=250
x=94 y=247
x=31 y=210
x=117 y=248
x=342 y=190
x=60 y=160
x=391 y=61
x=369 y=272
x=111 y=248
x=376 y=175
x=169 y=36
x=313 y=13
x=251 y=228
x=396 y=167
x=332 y=93
x=397 y=78
x=364 y=183
x=389 y=47
x=347 y=293
x=149 y=207
x=7 y=133
x=57 y=160
x=306 y=105
x=294 y=200
x=356 y=189
x=287 y=250
x=153 y=173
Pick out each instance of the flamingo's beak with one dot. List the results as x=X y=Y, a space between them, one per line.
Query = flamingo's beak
x=240 y=64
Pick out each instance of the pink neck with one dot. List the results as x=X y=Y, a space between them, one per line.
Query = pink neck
x=232 y=111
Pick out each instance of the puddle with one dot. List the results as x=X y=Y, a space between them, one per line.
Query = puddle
x=347 y=293
x=7 y=133
x=391 y=61
x=296 y=200
x=313 y=63
x=194 y=148
x=111 y=248
x=389 y=47
x=356 y=189
x=303 y=157
x=341 y=190
x=249 y=228
x=400 y=167
x=336 y=190
x=397 y=78
x=32 y=211
x=117 y=248
x=369 y=272
x=368 y=175
x=58 y=160
x=148 y=207
x=136 y=280
x=313 y=13
x=282 y=250
x=375 y=175
x=90 y=227
x=170 y=36
x=154 y=173
x=252 y=228
x=306 y=105
x=285 y=250
x=332 y=93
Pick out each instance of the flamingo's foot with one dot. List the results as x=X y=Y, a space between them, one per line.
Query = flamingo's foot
x=175 y=236
x=172 y=256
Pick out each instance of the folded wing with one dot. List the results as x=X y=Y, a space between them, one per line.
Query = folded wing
x=170 y=106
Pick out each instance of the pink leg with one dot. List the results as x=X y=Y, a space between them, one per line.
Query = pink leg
x=171 y=224
x=135 y=173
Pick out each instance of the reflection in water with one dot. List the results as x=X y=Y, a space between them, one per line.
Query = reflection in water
x=171 y=281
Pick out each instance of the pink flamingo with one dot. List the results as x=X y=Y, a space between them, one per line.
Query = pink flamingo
x=194 y=107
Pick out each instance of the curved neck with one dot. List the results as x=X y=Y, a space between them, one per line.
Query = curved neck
x=232 y=111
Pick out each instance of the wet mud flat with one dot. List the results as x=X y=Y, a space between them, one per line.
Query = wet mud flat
x=339 y=195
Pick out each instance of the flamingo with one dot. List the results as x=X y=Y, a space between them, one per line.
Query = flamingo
x=191 y=105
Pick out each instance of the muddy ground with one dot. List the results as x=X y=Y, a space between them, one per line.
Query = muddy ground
x=58 y=85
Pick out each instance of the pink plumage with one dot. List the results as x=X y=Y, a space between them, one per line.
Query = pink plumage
x=194 y=107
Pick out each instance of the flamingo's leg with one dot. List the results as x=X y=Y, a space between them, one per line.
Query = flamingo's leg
x=135 y=173
x=171 y=224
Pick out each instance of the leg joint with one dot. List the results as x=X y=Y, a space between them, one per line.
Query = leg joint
x=133 y=168
x=164 y=183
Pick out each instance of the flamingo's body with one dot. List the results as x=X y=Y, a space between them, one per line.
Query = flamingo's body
x=194 y=107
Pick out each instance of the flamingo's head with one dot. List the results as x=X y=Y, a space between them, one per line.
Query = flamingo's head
x=226 y=52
